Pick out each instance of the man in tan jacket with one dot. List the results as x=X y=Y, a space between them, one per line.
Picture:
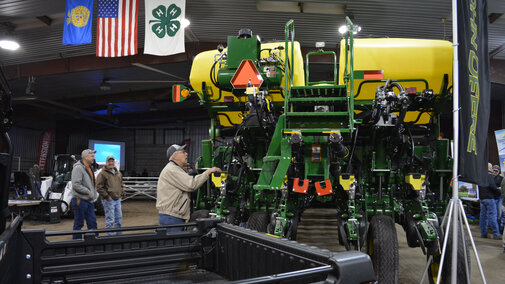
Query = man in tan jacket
x=174 y=188
x=109 y=184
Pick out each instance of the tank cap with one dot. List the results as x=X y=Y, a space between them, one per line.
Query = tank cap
x=244 y=33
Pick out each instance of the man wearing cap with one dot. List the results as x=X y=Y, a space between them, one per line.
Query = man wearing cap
x=174 y=188
x=497 y=198
x=109 y=184
x=84 y=192
x=488 y=206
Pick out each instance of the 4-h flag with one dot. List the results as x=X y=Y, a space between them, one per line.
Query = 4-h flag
x=78 y=22
x=164 y=32
x=116 y=30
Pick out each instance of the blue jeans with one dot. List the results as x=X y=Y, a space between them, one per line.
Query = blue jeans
x=113 y=214
x=170 y=220
x=36 y=186
x=488 y=215
x=498 y=211
x=85 y=211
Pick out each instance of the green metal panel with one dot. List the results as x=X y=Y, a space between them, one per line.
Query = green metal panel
x=441 y=160
x=206 y=154
x=241 y=49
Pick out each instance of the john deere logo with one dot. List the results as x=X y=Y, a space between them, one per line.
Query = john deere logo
x=79 y=16
x=166 y=23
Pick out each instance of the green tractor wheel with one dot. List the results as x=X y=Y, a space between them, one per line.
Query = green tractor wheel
x=258 y=221
x=446 y=270
x=383 y=248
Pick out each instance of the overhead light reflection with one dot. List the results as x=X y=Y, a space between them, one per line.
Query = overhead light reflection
x=9 y=44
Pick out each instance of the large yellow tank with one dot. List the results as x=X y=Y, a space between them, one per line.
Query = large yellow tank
x=200 y=72
x=401 y=59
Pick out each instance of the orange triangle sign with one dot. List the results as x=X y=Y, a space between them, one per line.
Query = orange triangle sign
x=245 y=72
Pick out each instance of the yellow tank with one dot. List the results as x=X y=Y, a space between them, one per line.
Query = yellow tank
x=401 y=59
x=200 y=72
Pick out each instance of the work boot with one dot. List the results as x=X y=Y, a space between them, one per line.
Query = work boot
x=497 y=237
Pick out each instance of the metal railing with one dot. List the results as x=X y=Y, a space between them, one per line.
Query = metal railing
x=140 y=187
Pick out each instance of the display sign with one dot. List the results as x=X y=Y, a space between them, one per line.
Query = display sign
x=500 y=142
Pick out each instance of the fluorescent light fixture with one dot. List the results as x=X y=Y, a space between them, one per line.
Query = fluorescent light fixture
x=320 y=44
x=343 y=29
x=278 y=6
x=323 y=8
x=185 y=23
x=9 y=44
x=306 y=6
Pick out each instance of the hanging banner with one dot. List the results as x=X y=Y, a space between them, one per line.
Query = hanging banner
x=164 y=34
x=500 y=142
x=116 y=28
x=78 y=22
x=474 y=91
x=44 y=148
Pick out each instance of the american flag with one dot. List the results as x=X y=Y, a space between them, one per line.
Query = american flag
x=116 y=33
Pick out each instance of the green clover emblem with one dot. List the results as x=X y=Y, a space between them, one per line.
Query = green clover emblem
x=165 y=23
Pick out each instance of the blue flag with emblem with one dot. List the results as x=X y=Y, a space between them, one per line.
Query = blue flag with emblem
x=78 y=22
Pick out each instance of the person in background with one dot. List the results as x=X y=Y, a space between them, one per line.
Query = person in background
x=502 y=185
x=498 y=199
x=144 y=173
x=174 y=188
x=35 y=175
x=84 y=192
x=109 y=184
x=488 y=206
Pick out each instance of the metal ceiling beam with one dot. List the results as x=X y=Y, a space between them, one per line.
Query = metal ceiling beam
x=37 y=102
x=91 y=62
x=158 y=71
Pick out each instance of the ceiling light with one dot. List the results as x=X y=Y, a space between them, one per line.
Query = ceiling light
x=185 y=23
x=343 y=29
x=9 y=44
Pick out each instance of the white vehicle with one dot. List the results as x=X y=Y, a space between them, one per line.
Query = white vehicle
x=59 y=185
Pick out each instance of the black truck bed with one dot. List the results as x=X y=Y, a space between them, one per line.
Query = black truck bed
x=207 y=252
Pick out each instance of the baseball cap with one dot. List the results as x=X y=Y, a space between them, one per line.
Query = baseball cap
x=86 y=152
x=110 y=157
x=496 y=168
x=172 y=149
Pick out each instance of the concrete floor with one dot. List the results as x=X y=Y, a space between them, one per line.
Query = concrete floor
x=318 y=228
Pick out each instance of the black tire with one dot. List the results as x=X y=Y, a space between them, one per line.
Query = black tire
x=383 y=248
x=258 y=221
x=202 y=213
x=411 y=232
x=70 y=212
x=293 y=227
x=65 y=205
x=231 y=217
x=99 y=210
x=446 y=270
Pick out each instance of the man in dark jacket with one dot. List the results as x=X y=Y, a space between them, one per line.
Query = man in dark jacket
x=488 y=206
x=497 y=198
x=109 y=184
x=84 y=192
